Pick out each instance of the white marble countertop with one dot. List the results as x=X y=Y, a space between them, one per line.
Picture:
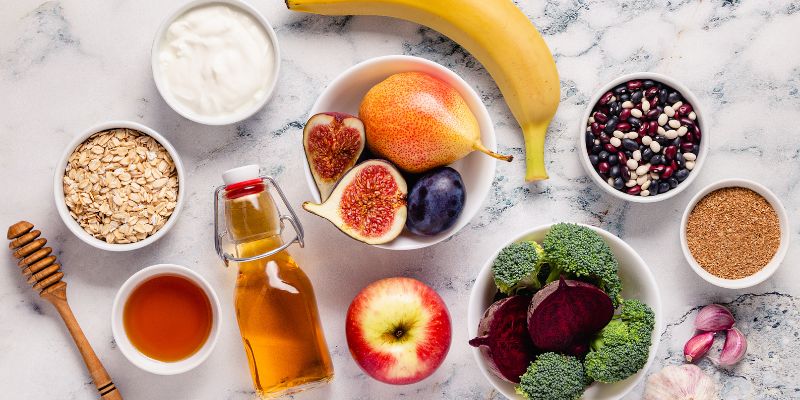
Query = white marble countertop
x=65 y=66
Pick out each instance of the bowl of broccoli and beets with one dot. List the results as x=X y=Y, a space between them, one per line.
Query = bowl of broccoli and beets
x=565 y=275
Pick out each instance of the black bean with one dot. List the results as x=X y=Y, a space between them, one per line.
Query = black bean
x=611 y=125
x=620 y=90
x=612 y=159
x=615 y=108
x=647 y=155
x=681 y=174
x=680 y=161
x=635 y=123
x=594 y=159
x=663 y=187
x=625 y=173
x=624 y=97
x=596 y=149
x=662 y=96
x=674 y=97
x=695 y=149
x=603 y=156
x=619 y=183
x=637 y=96
x=628 y=155
x=614 y=172
x=657 y=159
x=654 y=187
x=673 y=183
x=589 y=140
x=662 y=140
x=675 y=142
x=629 y=144
x=647 y=84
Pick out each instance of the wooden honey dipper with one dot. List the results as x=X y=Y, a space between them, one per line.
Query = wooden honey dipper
x=41 y=269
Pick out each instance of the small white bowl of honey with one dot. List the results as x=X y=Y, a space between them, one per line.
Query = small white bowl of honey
x=165 y=319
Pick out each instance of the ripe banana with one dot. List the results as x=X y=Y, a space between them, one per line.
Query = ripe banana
x=499 y=35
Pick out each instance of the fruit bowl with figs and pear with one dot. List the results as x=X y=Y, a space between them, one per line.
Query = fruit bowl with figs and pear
x=400 y=153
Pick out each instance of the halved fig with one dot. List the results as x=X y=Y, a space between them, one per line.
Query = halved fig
x=333 y=142
x=368 y=203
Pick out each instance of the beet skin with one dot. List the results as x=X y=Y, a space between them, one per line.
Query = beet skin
x=564 y=316
x=504 y=341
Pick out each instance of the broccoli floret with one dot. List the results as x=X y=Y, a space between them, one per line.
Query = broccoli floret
x=623 y=346
x=517 y=266
x=577 y=252
x=553 y=377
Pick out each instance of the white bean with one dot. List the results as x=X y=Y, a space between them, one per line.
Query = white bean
x=628 y=104
x=662 y=119
x=674 y=124
x=619 y=134
x=645 y=105
x=642 y=179
x=669 y=111
x=630 y=183
x=692 y=116
x=671 y=134
x=615 y=142
x=690 y=165
x=682 y=131
x=637 y=155
x=647 y=140
x=661 y=130
x=677 y=104
x=644 y=193
x=642 y=169
x=689 y=156
x=636 y=113
x=632 y=164
x=655 y=147
x=646 y=185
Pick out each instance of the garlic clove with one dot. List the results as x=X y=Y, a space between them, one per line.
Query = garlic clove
x=734 y=349
x=698 y=346
x=685 y=382
x=714 y=318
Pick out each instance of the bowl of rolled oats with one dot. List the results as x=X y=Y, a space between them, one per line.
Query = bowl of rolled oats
x=117 y=186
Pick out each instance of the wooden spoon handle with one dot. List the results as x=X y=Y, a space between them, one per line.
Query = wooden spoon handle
x=99 y=375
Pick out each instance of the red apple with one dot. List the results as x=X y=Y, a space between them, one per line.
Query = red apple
x=398 y=330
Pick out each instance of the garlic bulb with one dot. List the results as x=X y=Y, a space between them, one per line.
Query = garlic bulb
x=685 y=382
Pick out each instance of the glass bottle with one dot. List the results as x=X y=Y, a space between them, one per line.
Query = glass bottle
x=274 y=300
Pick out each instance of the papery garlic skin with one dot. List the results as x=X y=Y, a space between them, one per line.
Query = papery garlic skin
x=685 y=382
x=714 y=318
x=698 y=346
x=734 y=349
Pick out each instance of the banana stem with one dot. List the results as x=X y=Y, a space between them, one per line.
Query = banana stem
x=480 y=147
x=534 y=152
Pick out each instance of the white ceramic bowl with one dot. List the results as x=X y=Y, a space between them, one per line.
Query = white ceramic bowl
x=770 y=268
x=58 y=188
x=345 y=93
x=696 y=106
x=135 y=356
x=637 y=282
x=182 y=109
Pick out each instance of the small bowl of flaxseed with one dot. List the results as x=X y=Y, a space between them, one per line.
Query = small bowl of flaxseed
x=117 y=186
x=735 y=233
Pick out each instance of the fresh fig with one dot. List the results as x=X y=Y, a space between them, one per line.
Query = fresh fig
x=435 y=202
x=503 y=338
x=418 y=122
x=368 y=203
x=565 y=315
x=333 y=142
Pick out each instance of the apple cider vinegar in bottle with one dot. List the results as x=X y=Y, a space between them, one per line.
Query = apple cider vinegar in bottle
x=274 y=300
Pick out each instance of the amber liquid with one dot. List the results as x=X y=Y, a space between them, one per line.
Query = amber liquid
x=167 y=318
x=275 y=305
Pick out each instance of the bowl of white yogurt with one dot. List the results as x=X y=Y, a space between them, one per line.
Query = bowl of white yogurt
x=216 y=62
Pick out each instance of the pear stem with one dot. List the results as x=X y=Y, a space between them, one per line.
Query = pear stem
x=480 y=147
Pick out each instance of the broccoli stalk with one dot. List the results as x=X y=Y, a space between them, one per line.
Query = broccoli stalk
x=577 y=252
x=517 y=266
x=623 y=346
x=553 y=377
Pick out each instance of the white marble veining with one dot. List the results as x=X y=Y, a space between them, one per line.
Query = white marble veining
x=65 y=66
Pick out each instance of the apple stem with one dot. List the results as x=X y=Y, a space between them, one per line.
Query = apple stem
x=398 y=333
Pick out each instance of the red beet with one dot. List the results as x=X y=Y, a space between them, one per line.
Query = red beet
x=564 y=316
x=504 y=341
